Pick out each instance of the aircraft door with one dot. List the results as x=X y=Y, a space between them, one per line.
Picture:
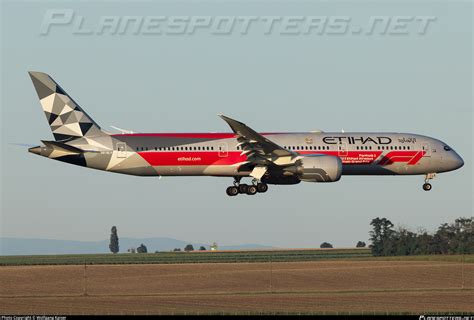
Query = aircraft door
x=427 y=150
x=121 y=150
x=342 y=150
x=223 y=149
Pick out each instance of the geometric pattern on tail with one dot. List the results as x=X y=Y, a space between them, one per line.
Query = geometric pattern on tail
x=65 y=117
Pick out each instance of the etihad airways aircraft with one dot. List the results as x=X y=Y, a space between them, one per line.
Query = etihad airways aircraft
x=267 y=158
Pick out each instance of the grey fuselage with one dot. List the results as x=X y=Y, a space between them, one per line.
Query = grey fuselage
x=273 y=158
x=218 y=154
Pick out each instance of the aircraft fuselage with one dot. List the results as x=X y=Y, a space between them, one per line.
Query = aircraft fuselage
x=218 y=154
x=269 y=158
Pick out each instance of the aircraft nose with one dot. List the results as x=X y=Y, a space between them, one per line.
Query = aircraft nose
x=35 y=150
x=458 y=162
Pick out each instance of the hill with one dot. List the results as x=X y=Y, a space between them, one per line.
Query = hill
x=21 y=246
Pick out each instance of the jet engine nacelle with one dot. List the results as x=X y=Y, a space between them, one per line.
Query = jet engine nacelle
x=319 y=168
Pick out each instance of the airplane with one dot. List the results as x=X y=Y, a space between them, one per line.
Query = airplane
x=267 y=158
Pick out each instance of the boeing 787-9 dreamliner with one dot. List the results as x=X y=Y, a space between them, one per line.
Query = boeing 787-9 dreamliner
x=267 y=158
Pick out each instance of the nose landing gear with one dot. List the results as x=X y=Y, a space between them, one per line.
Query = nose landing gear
x=427 y=186
x=252 y=189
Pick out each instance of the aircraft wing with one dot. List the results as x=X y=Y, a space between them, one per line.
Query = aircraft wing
x=259 y=150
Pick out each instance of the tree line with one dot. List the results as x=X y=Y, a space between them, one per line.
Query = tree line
x=386 y=240
x=450 y=238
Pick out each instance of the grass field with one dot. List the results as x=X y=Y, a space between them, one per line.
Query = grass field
x=326 y=285
x=292 y=255
x=189 y=257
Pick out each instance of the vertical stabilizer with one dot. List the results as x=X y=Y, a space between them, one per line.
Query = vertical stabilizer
x=66 y=118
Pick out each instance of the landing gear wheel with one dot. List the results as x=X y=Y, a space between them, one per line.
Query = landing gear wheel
x=262 y=187
x=243 y=188
x=232 y=191
x=427 y=186
x=251 y=190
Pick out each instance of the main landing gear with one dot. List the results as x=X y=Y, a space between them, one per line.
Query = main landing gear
x=249 y=189
x=427 y=186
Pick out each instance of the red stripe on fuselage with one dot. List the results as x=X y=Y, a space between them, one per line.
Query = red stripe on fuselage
x=410 y=157
x=191 y=158
x=203 y=158
x=417 y=158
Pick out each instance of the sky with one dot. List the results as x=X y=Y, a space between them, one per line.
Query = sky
x=159 y=78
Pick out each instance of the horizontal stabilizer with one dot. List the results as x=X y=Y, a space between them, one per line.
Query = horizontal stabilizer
x=60 y=146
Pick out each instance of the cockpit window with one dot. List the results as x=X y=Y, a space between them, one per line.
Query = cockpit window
x=447 y=148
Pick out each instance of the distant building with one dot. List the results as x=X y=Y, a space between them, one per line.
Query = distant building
x=214 y=247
